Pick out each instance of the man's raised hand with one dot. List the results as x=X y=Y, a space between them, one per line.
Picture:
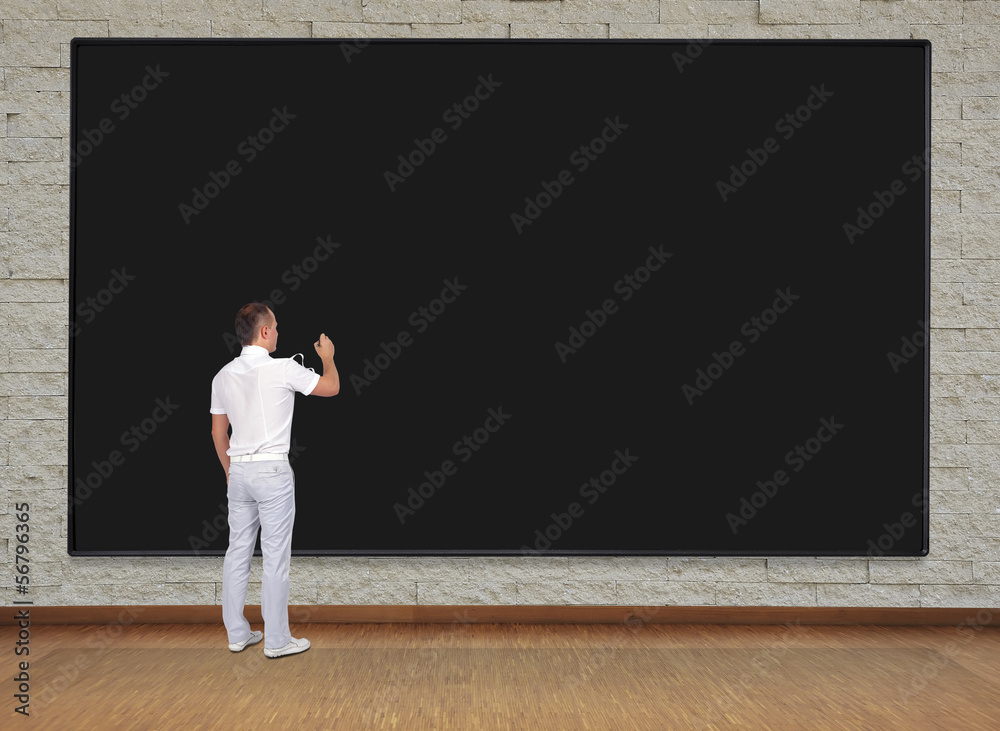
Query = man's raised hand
x=324 y=348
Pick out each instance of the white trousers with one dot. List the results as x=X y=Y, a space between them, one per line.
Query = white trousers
x=261 y=494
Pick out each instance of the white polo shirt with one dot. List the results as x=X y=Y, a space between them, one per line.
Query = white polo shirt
x=258 y=393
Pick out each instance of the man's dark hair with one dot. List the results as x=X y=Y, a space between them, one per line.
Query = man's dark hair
x=249 y=320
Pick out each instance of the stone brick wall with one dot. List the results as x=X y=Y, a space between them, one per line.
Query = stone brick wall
x=963 y=568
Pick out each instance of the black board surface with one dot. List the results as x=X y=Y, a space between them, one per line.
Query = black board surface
x=605 y=297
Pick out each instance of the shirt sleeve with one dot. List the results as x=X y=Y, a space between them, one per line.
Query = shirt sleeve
x=299 y=378
x=217 y=407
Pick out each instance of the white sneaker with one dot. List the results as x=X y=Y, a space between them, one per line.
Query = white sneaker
x=293 y=647
x=253 y=639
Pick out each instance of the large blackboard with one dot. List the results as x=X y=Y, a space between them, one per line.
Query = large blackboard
x=609 y=297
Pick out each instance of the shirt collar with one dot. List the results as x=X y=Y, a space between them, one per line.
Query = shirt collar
x=254 y=350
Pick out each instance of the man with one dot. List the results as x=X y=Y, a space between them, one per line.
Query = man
x=256 y=394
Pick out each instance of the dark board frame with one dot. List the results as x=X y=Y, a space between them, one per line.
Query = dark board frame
x=549 y=184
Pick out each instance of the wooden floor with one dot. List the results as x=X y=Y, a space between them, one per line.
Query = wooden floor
x=511 y=676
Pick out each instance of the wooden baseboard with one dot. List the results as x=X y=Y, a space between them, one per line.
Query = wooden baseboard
x=588 y=614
